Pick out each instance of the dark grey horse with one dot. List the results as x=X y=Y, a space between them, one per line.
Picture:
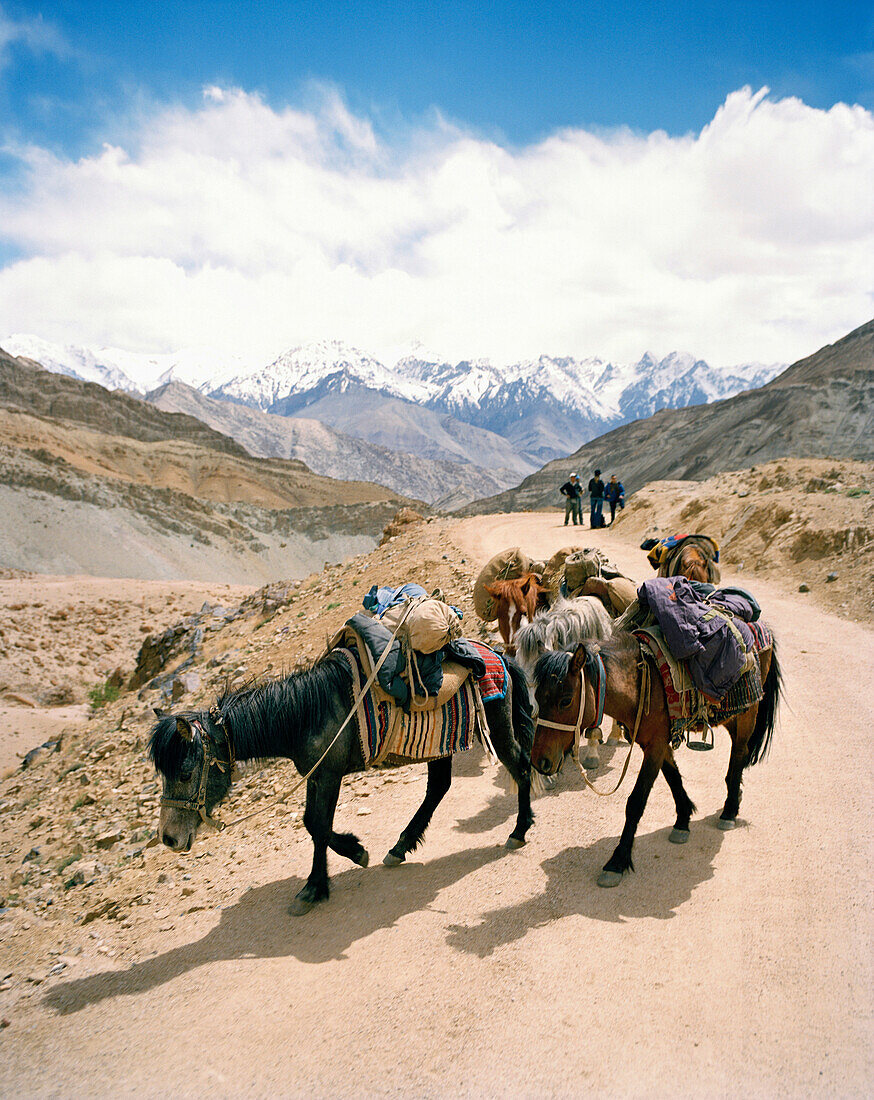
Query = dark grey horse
x=297 y=718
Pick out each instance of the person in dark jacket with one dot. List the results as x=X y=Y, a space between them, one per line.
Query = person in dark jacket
x=596 y=500
x=573 y=491
x=614 y=494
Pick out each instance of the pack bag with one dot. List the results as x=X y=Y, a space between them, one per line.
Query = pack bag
x=585 y=563
x=505 y=566
x=430 y=625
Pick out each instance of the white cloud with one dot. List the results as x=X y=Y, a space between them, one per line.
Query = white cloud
x=35 y=34
x=242 y=225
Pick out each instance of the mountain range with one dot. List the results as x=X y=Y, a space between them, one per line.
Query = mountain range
x=820 y=407
x=543 y=408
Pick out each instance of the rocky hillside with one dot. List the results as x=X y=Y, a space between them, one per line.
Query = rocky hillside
x=25 y=385
x=333 y=453
x=810 y=521
x=102 y=483
x=822 y=406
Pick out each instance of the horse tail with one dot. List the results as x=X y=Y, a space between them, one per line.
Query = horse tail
x=766 y=716
x=523 y=713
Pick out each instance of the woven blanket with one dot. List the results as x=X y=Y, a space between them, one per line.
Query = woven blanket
x=494 y=684
x=688 y=708
x=390 y=735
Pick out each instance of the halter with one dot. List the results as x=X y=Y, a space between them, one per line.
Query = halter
x=600 y=691
x=210 y=757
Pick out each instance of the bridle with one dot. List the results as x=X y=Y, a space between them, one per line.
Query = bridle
x=600 y=692
x=210 y=758
x=577 y=727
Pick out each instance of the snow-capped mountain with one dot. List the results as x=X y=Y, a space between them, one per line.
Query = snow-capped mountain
x=545 y=407
x=326 y=365
x=135 y=372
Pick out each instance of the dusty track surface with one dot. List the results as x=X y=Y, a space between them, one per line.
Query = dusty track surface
x=737 y=965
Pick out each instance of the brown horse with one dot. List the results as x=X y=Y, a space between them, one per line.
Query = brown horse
x=568 y=689
x=693 y=563
x=694 y=556
x=516 y=599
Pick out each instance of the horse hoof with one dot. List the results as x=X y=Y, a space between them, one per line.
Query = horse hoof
x=549 y=782
x=391 y=860
x=363 y=859
x=591 y=763
x=726 y=823
x=299 y=906
x=513 y=842
x=679 y=836
x=609 y=878
x=611 y=740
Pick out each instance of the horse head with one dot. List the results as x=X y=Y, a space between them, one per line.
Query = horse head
x=558 y=688
x=693 y=564
x=193 y=754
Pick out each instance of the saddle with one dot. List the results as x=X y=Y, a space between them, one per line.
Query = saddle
x=454 y=675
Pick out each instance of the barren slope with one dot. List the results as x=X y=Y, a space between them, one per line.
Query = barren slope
x=334 y=453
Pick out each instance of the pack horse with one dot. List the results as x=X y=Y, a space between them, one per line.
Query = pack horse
x=301 y=718
x=619 y=678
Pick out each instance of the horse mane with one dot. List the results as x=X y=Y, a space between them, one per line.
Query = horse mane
x=554 y=664
x=167 y=750
x=263 y=720
x=563 y=626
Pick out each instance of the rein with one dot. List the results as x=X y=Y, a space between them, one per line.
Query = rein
x=210 y=757
x=601 y=682
x=198 y=803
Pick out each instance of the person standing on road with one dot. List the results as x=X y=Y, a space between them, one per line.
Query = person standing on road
x=573 y=490
x=596 y=500
x=614 y=494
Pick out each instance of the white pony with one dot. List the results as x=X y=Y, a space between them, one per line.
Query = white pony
x=563 y=627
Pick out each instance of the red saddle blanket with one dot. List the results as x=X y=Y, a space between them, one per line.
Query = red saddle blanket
x=688 y=708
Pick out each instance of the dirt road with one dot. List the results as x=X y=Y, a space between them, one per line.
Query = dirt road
x=737 y=965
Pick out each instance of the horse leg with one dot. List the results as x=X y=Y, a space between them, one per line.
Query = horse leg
x=323 y=790
x=741 y=729
x=348 y=845
x=685 y=805
x=615 y=737
x=501 y=715
x=439 y=781
x=592 y=758
x=620 y=861
x=504 y=619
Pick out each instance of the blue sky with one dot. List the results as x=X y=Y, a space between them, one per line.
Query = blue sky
x=516 y=71
x=492 y=179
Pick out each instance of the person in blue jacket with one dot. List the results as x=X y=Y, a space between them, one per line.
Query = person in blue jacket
x=614 y=494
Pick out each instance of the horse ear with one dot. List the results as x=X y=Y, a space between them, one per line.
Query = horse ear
x=183 y=728
x=159 y=713
x=578 y=659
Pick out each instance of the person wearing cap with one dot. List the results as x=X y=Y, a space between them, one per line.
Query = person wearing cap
x=596 y=500
x=573 y=491
x=614 y=494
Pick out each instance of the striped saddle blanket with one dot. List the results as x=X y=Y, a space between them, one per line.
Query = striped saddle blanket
x=688 y=708
x=390 y=735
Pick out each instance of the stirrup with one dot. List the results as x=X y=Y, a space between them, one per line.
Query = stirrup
x=706 y=742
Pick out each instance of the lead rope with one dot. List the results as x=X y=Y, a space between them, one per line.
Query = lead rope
x=355 y=704
x=642 y=706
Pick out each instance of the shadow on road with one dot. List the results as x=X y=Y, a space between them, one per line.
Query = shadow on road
x=666 y=877
x=259 y=926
